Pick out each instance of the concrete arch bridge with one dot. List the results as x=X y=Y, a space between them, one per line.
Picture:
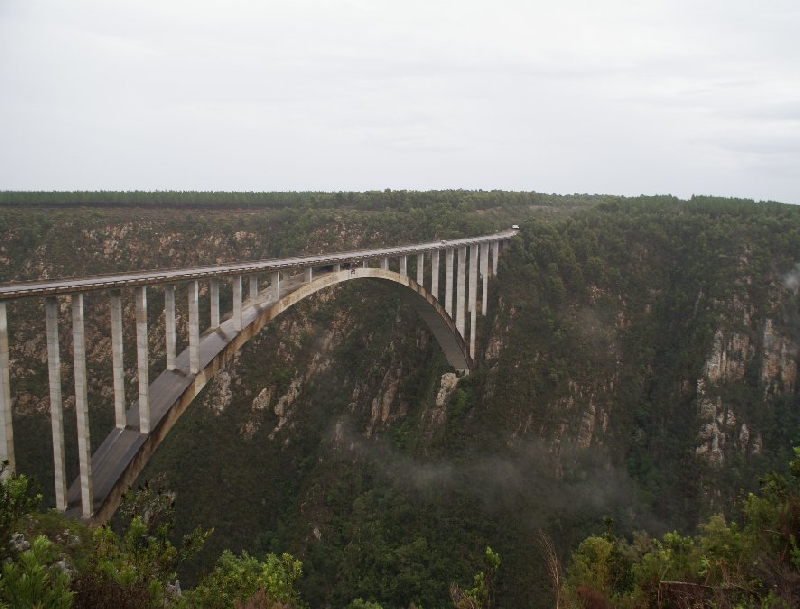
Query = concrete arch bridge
x=274 y=286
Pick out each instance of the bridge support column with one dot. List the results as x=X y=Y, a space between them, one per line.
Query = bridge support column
x=448 y=282
x=214 y=288
x=404 y=265
x=385 y=264
x=82 y=406
x=473 y=296
x=337 y=268
x=117 y=364
x=484 y=276
x=460 y=289
x=141 y=359
x=253 y=289
x=435 y=274
x=420 y=269
x=56 y=404
x=169 y=322
x=237 y=303
x=194 y=328
x=276 y=285
x=308 y=274
x=495 y=256
x=6 y=429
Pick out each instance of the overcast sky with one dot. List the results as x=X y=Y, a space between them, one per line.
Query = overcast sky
x=614 y=96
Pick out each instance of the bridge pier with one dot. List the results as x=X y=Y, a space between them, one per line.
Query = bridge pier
x=421 y=268
x=82 y=405
x=473 y=296
x=142 y=359
x=117 y=363
x=214 y=296
x=460 y=289
x=237 y=303
x=435 y=274
x=485 y=277
x=495 y=255
x=253 y=289
x=169 y=323
x=194 y=327
x=56 y=403
x=6 y=426
x=448 y=281
x=404 y=266
x=385 y=264
x=276 y=285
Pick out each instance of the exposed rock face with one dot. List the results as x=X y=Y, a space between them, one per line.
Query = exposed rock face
x=727 y=362
x=220 y=396
x=283 y=406
x=446 y=388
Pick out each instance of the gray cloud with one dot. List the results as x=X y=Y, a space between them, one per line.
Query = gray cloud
x=564 y=97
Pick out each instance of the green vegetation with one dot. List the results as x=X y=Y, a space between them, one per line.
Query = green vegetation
x=638 y=359
x=51 y=562
x=752 y=564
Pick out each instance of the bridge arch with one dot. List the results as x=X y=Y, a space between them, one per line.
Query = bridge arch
x=124 y=453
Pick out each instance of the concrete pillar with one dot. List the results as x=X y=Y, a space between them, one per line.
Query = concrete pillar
x=495 y=256
x=421 y=268
x=237 y=303
x=56 y=403
x=473 y=276
x=473 y=295
x=337 y=267
x=385 y=264
x=309 y=275
x=364 y=264
x=82 y=406
x=448 y=281
x=460 y=289
x=169 y=322
x=142 y=359
x=276 y=285
x=435 y=274
x=194 y=328
x=214 y=287
x=253 y=289
x=117 y=364
x=6 y=429
x=485 y=276
x=404 y=265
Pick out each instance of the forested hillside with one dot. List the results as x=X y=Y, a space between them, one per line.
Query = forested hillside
x=638 y=361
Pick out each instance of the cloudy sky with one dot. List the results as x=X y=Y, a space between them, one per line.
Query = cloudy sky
x=619 y=96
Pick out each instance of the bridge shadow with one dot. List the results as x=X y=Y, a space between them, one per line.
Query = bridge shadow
x=124 y=453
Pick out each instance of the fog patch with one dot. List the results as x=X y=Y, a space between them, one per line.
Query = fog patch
x=531 y=477
x=792 y=279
